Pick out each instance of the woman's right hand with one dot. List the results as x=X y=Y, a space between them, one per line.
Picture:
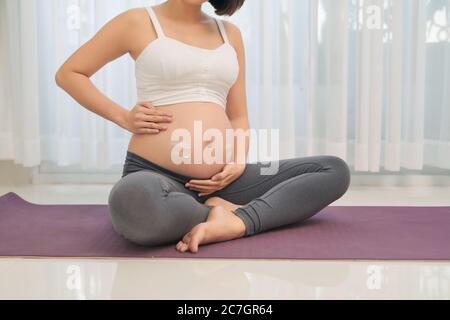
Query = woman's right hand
x=144 y=118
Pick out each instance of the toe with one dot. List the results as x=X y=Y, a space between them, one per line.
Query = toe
x=179 y=245
x=193 y=245
x=184 y=247
x=187 y=238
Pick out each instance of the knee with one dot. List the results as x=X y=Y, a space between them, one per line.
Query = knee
x=342 y=174
x=136 y=208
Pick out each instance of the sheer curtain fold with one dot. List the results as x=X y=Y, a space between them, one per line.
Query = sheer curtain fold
x=414 y=97
x=313 y=75
x=336 y=72
x=19 y=123
x=328 y=78
x=369 y=86
x=373 y=79
x=287 y=103
x=395 y=88
x=365 y=80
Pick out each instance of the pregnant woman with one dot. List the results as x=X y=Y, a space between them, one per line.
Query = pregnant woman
x=190 y=75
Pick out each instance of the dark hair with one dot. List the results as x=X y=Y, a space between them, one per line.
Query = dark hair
x=226 y=7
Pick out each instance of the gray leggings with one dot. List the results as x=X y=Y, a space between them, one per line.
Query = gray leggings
x=150 y=205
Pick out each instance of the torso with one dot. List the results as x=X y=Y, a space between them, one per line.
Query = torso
x=158 y=148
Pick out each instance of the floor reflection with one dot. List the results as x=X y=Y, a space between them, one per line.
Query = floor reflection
x=221 y=279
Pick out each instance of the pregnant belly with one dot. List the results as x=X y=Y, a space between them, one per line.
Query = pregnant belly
x=195 y=143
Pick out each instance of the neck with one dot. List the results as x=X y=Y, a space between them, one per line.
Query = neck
x=180 y=10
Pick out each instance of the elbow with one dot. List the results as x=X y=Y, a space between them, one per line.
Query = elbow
x=59 y=78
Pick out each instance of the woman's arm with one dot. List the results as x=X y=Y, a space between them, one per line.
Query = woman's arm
x=237 y=98
x=111 y=42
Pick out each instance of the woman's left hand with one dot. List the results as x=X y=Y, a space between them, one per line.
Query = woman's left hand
x=229 y=174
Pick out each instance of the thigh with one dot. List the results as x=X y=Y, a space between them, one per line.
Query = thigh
x=258 y=178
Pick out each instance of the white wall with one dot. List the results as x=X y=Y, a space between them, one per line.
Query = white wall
x=12 y=174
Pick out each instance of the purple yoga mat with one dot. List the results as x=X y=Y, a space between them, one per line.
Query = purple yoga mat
x=336 y=233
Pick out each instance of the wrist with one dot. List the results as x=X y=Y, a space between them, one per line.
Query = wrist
x=240 y=161
x=121 y=118
x=239 y=166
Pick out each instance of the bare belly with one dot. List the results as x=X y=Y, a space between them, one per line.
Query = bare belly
x=190 y=146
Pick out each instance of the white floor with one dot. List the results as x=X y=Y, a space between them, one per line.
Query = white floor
x=225 y=279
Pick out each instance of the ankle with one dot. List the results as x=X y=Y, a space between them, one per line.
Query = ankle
x=242 y=228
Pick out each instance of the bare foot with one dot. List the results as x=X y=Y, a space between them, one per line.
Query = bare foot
x=221 y=225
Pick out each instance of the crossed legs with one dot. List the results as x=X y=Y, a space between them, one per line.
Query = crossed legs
x=152 y=209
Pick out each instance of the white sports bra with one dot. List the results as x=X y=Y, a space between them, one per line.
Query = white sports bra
x=169 y=71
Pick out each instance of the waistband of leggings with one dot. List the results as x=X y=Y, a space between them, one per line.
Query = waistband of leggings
x=145 y=164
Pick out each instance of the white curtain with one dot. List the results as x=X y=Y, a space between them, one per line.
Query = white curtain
x=19 y=82
x=366 y=80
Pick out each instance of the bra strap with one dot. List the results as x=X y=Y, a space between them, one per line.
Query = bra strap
x=223 y=32
x=155 y=21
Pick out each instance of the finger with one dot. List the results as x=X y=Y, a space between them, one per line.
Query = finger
x=186 y=238
x=155 y=119
x=147 y=131
x=220 y=176
x=204 y=189
x=151 y=125
x=149 y=109
x=146 y=104
x=203 y=183
x=155 y=112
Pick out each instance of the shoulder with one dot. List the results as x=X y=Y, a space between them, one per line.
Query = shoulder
x=126 y=26
x=130 y=23
x=234 y=34
x=233 y=30
x=134 y=16
x=130 y=19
